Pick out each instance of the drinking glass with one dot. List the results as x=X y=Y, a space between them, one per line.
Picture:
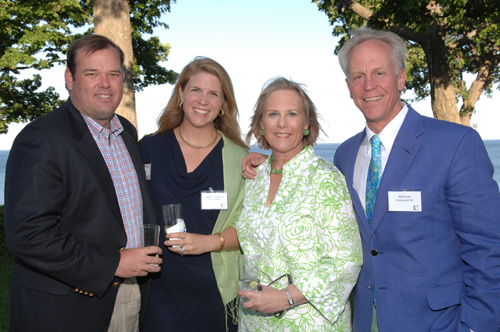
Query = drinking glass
x=172 y=218
x=249 y=273
x=151 y=236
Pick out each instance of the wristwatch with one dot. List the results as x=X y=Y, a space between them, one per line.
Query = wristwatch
x=291 y=302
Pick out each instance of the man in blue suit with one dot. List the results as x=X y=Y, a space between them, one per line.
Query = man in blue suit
x=431 y=249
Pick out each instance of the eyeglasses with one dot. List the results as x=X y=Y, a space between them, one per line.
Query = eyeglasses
x=280 y=314
x=289 y=277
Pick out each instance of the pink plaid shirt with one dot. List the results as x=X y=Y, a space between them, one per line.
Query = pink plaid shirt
x=123 y=173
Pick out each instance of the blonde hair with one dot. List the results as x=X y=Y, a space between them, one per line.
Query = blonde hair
x=173 y=115
x=310 y=113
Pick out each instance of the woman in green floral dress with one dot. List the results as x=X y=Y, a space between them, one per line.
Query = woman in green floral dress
x=297 y=214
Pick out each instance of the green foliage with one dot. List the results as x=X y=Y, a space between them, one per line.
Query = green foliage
x=21 y=100
x=147 y=55
x=4 y=252
x=144 y=16
x=6 y=264
x=35 y=35
x=470 y=31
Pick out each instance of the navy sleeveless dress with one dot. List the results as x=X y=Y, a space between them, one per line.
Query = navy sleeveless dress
x=184 y=295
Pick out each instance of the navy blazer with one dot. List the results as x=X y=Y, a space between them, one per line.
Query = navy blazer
x=63 y=224
x=439 y=269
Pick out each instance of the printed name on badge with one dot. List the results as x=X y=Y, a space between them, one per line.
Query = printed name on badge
x=213 y=200
x=405 y=201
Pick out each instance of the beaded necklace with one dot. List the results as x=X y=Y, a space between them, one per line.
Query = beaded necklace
x=275 y=171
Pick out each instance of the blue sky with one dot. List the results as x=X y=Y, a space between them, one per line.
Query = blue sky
x=255 y=41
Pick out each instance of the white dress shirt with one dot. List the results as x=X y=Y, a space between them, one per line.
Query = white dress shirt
x=387 y=137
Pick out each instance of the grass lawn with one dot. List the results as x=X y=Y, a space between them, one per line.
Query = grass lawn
x=5 y=273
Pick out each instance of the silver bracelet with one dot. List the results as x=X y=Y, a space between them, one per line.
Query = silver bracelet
x=280 y=314
x=291 y=302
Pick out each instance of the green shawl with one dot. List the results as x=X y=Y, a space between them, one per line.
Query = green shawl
x=225 y=263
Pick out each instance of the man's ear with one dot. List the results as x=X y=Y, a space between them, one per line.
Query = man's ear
x=68 y=78
x=401 y=79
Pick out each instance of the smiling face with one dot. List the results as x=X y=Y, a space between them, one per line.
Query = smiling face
x=284 y=122
x=96 y=86
x=373 y=83
x=202 y=99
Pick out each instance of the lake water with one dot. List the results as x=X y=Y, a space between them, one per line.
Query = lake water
x=324 y=150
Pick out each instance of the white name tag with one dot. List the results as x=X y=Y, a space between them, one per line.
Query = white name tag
x=147 y=169
x=405 y=201
x=213 y=200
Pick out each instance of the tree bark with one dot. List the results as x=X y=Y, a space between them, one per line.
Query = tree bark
x=357 y=8
x=443 y=99
x=469 y=103
x=484 y=78
x=112 y=19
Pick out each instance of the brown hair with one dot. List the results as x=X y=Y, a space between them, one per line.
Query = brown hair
x=173 y=115
x=91 y=44
x=310 y=113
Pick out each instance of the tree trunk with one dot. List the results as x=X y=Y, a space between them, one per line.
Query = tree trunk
x=443 y=100
x=484 y=78
x=112 y=19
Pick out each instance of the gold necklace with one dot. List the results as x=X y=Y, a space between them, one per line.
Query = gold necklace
x=198 y=146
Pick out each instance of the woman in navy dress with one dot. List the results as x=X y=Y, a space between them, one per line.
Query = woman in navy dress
x=197 y=148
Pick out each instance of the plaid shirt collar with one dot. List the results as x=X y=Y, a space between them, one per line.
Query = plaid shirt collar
x=98 y=131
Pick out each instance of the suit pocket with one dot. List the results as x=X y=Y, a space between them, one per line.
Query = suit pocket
x=39 y=282
x=445 y=296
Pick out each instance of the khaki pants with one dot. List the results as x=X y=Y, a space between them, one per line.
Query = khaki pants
x=125 y=316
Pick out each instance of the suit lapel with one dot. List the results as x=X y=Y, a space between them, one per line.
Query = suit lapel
x=89 y=149
x=350 y=158
x=402 y=155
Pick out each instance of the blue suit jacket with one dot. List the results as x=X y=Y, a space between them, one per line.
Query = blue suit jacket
x=439 y=269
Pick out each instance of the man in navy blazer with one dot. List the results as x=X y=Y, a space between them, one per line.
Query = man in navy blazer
x=65 y=221
x=432 y=250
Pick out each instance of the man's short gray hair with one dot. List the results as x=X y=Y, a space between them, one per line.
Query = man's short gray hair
x=397 y=45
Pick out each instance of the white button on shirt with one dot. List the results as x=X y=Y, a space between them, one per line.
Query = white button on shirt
x=387 y=137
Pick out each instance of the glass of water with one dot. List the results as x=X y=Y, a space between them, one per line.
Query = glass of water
x=172 y=218
x=249 y=273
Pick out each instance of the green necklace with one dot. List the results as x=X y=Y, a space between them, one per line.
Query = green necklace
x=275 y=171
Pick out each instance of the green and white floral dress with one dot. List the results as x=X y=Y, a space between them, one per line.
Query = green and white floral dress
x=310 y=232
